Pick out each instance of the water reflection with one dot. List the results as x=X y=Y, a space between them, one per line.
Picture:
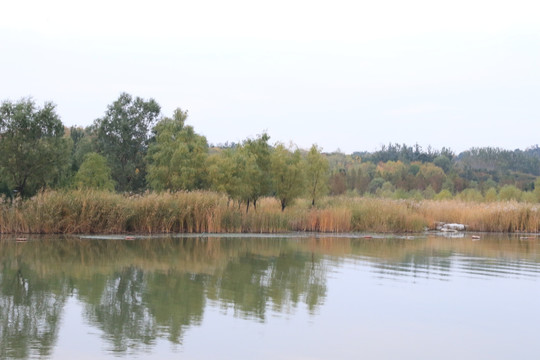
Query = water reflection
x=443 y=258
x=137 y=292
x=30 y=308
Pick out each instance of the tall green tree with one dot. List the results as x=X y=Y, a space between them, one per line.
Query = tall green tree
x=316 y=173
x=232 y=171
x=83 y=143
x=177 y=156
x=94 y=173
x=288 y=174
x=33 y=148
x=122 y=136
x=259 y=178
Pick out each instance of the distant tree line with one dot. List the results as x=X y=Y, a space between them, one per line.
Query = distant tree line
x=133 y=148
x=403 y=171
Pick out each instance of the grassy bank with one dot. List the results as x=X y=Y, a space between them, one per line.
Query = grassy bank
x=87 y=212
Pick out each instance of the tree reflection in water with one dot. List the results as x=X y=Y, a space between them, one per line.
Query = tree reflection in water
x=137 y=292
x=30 y=309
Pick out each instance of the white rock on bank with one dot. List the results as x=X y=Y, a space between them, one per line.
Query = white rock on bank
x=453 y=227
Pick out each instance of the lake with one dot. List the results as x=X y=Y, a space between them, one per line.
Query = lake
x=298 y=296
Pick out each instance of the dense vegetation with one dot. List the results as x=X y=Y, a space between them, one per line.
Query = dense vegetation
x=90 y=211
x=134 y=149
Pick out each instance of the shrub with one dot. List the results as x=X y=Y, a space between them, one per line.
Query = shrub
x=509 y=192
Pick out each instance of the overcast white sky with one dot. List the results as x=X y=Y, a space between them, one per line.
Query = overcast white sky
x=349 y=75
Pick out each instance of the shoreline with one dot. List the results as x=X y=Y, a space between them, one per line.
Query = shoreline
x=278 y=235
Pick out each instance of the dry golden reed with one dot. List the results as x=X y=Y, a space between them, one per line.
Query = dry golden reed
x=507 y=216
x=87 y=212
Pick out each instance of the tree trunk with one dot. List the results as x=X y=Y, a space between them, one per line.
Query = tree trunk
x=22 y=187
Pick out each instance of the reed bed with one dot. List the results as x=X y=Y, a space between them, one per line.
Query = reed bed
x=504 y=216
x=182 y=212
x=88 y=212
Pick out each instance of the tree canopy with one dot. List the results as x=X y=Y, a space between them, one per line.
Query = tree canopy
x=94 y=173
x=232 y=171
x=34 y=150
x=316 y=173
x=259 y=177
x=122 y=136
x=136 y=149
x=287 y=174
x=177 y=155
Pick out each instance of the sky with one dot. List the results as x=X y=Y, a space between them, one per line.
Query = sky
x=345 y=75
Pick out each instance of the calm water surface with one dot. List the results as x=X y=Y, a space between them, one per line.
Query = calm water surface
x=297 y=297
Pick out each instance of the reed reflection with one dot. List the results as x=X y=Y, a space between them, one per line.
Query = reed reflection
x=443 y=258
